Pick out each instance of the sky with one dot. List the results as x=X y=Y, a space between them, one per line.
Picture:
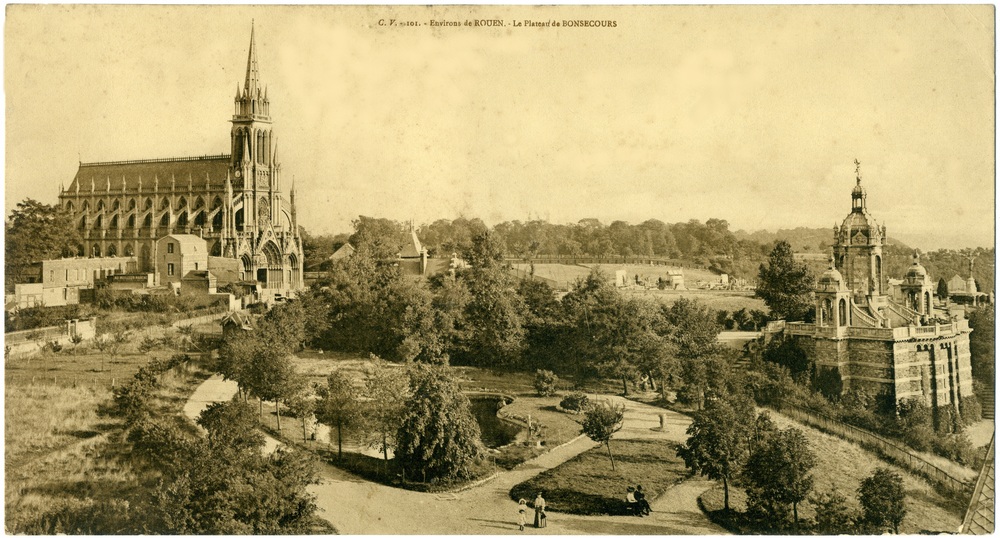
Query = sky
x=752 y=114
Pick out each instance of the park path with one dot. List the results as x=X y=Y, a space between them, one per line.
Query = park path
x=356 y=506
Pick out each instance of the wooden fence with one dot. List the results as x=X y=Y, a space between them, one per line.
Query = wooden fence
x=887 y=448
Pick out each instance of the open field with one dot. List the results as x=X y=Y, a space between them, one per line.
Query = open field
x=587 y=485
x=566 y=275
x=59 y=450
x=691 y=275
x=842 y=465
x=715 y=299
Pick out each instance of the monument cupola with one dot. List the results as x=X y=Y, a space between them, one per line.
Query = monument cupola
x=917 y=288
x=858 y=246
x=833 y=299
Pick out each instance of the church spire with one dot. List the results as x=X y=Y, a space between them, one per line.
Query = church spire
x=253 y=75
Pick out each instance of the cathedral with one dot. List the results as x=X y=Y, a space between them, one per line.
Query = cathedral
x=910 y=348
x=235 y=202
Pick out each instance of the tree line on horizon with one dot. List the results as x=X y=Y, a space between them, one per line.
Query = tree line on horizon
x=36 y=231
x=711 y=245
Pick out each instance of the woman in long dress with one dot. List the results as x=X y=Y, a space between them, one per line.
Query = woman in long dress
x=539 y=511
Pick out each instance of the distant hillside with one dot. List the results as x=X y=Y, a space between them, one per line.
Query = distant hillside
x=801 y=239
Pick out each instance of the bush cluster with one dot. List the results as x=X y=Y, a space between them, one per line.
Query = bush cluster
x=910 y=421
x=38 y=317
x=576 y=402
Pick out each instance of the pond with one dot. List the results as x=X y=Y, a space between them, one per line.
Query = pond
x=493 y=431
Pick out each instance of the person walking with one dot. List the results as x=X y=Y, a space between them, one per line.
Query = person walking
x=539 y=511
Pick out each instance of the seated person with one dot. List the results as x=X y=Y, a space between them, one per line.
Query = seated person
x=640 y=499
x=630 y=500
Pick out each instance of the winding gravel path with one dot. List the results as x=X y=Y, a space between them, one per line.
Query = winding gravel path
x=356 y=506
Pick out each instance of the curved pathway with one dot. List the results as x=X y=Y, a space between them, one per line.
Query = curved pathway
x=357 y=506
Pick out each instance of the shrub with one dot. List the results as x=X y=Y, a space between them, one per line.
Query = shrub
x=829 y=383
x=576 y=402
x=971 y=410
x=54 y=346
x=545 y=382
x=833 y=514
x=954 y=446
x=148 y=344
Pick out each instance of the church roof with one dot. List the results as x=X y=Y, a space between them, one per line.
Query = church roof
x=344 y=251
x=199 y=172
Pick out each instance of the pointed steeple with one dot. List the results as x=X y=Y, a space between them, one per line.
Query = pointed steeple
x=253 y=76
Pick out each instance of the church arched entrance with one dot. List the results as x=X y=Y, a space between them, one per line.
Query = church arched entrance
x=271 y=274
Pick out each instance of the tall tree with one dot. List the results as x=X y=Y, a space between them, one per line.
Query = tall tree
x=982 y=344
x=386 y=389
x=692 y=329
x=719 y=441
x=495 y=314
x=942 y=289
x=438 y=436
x=338 y=406
x=779 y=474
x=601 y=422
x=35 y=232
x=882 y=499
x=785 y=285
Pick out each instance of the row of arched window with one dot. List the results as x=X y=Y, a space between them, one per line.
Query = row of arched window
x=183 y=219
x=100 y=206
x=258 y=142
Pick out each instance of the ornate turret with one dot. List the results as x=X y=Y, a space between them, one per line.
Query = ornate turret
x=833 y=298
x=858 y=249
x=917 y=288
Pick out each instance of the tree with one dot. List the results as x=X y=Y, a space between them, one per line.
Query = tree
x=76 y=340
x=833 y=515
x=788 y=353
x=602 y=421
x=302 y=403
x=35 y=232
x=222 y=483
x=882 y=499
x=231 y=426
x=942 y=289
x=494 y=315
x=438 y=436
x=272 y=378
x=719 y=440
x=386 y=389
x=545 y=382
x=338 y=406
x=785 y=285
x=111 y=344
x=982 y=344
x=779 y=474
x=692 y=330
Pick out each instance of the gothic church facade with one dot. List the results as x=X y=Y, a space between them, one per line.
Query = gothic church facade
x=236 y=202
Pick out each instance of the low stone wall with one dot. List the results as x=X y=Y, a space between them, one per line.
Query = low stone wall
x=22 y=343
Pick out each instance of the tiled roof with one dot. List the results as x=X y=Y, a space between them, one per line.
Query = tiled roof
x=199 y=171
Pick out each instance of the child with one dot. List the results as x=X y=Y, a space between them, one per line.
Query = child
x=522 y=512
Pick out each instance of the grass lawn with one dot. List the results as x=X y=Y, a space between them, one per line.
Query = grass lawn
x=714 y=299
x=587 y=485
x=60 y=452
x=842 y=465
